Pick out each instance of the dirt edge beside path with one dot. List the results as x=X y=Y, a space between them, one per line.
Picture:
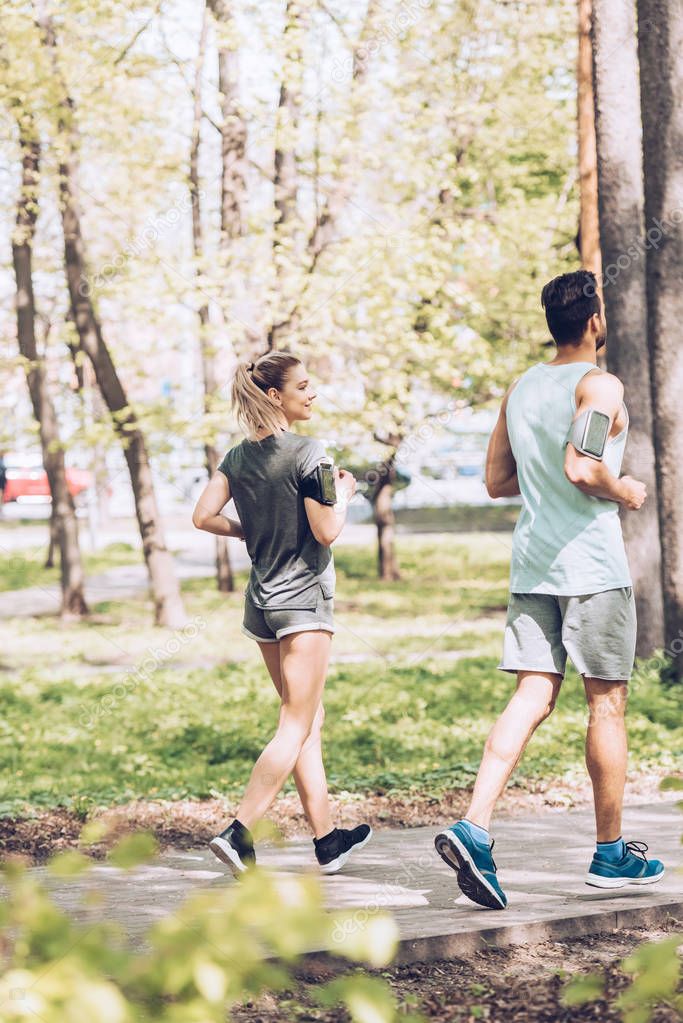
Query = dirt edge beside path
x=187 y=824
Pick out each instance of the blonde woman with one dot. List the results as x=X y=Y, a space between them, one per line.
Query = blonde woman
x=288 y=525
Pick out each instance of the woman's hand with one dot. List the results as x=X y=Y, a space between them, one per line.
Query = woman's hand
x=207 y=512
x=346 y=481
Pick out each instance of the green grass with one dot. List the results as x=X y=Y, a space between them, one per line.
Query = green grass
x=28 y=568
x=462 y=518
x=410 y=697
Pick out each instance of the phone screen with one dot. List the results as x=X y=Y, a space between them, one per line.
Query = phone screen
x=596 y=434
x=329 y=489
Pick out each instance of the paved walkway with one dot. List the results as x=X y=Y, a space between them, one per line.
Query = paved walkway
x=541 y=862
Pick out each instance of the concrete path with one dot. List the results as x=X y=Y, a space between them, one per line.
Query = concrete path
x=541 y=864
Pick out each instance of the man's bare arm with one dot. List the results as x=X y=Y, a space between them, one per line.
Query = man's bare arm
x=501 y=467
x=604 y=393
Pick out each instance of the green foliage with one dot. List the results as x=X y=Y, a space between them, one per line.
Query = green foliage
x=581 y=990
x=219 y=949
x=657 y=971
x=455 y=148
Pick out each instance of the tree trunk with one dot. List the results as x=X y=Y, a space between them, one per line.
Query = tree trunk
x=63 y=523
x=233 y=131
x=285 y=174
x=620 y=172
x=385 y=522
x=224 y=576
x=168 y=605
x=589 y=230
x=660 y=44
x=53 y=541
x=383 y=512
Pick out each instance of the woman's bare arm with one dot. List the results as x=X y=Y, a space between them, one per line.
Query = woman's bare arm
x=207 y=512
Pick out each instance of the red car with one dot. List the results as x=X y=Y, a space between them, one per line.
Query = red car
x=27 y=480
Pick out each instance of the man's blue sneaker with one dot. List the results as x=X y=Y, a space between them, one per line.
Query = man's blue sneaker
x=633 y=868
x=474 y=865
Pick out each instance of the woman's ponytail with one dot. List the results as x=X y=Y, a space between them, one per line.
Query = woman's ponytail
x=254 y=410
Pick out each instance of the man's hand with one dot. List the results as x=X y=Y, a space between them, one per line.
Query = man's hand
x=634 y=492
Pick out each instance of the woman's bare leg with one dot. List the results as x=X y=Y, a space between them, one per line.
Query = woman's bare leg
x=304 y=657
x=309 y=771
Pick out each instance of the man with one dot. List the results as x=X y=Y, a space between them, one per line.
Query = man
x=559 y=442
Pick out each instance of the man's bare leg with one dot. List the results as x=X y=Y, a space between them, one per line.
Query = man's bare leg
x=607 y=753
x=531 y=703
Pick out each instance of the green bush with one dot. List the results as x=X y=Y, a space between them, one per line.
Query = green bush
x=219 y=949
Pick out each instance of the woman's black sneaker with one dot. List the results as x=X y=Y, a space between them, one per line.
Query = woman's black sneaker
x=334 y=849
x=235 y=847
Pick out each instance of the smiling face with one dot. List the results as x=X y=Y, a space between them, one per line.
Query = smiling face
x=296 y=397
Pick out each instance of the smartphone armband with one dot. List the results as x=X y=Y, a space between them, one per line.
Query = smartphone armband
x=320 y=484
x=589 y=432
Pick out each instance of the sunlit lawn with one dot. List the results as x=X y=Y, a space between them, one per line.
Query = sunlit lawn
x=27 y=567
x=114 y=709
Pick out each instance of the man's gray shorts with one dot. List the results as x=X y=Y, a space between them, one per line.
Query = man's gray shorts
x=270 y=625
x=597 y=631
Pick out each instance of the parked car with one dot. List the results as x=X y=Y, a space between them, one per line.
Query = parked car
x=27 y=480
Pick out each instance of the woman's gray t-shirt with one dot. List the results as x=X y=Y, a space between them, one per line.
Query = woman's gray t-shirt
x=289 y=567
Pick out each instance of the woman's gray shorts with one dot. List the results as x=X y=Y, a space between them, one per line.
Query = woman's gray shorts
x=270 y=625
x=597 y=631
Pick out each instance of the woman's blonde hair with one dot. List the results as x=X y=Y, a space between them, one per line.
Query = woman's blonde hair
x=250 y=403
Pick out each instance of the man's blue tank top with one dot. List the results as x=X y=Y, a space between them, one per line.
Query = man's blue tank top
x=565 y=542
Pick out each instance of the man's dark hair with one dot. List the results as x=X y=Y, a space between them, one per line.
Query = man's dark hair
x=569 y=302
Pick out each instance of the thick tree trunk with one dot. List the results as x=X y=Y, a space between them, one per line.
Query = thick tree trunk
x=63 y=523
x=168 y=605
x=620 y=171
x=224 y=576
x=660 y=45
x=589 y=230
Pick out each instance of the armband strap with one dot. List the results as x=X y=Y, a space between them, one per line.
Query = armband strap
x=310 y=486
x=588 y=433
